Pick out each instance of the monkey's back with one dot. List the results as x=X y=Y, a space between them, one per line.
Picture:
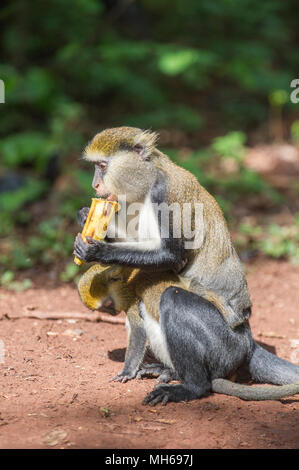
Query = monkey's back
x=215 y=265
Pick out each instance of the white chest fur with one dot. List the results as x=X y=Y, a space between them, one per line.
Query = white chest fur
x=155 y=338
x=148 y=230
x=137 y=227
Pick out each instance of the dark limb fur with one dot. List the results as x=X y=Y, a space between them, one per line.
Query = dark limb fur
x=134 y=353
x=109 y=253
x=203 y=350
x=249 y=392
x=170 y=255
x=163 y=374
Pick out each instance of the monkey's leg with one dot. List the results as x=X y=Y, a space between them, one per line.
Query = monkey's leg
x=135 y=350
x=233 y=318
x=181 y=327
x=163 y=374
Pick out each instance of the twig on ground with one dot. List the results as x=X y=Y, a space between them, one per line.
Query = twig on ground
x=93 y=317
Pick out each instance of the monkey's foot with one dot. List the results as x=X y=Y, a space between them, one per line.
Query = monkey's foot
x=164 y=374
x=166 y=393
x=123 y=377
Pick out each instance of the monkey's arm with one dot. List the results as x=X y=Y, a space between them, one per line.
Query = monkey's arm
x=136 y=346
x=168 y=256
x=249 y=392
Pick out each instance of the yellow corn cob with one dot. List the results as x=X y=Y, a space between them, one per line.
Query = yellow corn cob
x=99 y=216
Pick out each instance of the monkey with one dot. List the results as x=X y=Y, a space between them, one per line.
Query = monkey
x=188 y=334
x=92 y=288
x=128 y=162
x=94 y=294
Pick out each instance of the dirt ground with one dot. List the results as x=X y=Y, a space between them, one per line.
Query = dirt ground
x=55 y=390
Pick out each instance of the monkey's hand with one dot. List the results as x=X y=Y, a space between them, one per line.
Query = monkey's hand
x=123 y=376
x=87 y=251
x=181 y=266
x=164 y=393
x=82 y=216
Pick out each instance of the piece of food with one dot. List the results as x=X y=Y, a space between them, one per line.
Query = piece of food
x=98 y=219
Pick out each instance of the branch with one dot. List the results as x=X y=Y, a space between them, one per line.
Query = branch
x=93 y=317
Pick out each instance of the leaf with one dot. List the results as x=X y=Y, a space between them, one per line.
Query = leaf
x=55 y=437
x=173 y=63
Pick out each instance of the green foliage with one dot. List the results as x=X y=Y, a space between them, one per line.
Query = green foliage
x=7 y=281
x=278 y=98
x=204 y=68
x=228 y=187
x=281 y=242
x=9 y=202
x=275 y=241
x=295 y=131
x=25 y=148
x=230 y=145
x=51 y=243
x=69 y=273
x=117 y=64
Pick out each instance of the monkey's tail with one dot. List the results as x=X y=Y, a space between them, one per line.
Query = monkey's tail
x=268 y=368
x=252 y=392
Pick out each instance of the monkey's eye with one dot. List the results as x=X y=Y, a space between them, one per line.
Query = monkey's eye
x=102 y=165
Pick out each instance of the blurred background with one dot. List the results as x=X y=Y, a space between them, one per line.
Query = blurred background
x=213 y=78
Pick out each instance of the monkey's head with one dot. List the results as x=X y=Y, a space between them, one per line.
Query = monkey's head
x=105 y=289
x=123 y=162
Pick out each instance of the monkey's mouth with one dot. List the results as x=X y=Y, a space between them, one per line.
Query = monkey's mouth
x=107 y=196
x=112 y=197
x=110 y=310
x=108 y=306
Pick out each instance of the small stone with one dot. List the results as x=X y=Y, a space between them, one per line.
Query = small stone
x=70 y=332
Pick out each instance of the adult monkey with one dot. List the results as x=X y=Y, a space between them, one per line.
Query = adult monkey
x=128 y=163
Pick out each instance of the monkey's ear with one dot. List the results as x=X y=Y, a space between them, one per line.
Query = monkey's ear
x=140 y=149
x=116 y=274
x=144 y=144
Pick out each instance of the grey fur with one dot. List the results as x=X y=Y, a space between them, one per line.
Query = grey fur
x=248 y=392
x=204 y=349
x=134 y=354
x=164 y=374
x=214 y=265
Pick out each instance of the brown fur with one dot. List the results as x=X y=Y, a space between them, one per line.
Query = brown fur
x=215 y=265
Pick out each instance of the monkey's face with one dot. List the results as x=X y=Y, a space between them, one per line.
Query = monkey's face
x=112 y=297
x=120 y=294
x=109 y=292
x=122 y=158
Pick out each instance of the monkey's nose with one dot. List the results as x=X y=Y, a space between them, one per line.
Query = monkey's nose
x=108 y=302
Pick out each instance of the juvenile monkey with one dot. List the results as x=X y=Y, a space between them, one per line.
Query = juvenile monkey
x=188 y=335
x=117 y=288
x=127 y=162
